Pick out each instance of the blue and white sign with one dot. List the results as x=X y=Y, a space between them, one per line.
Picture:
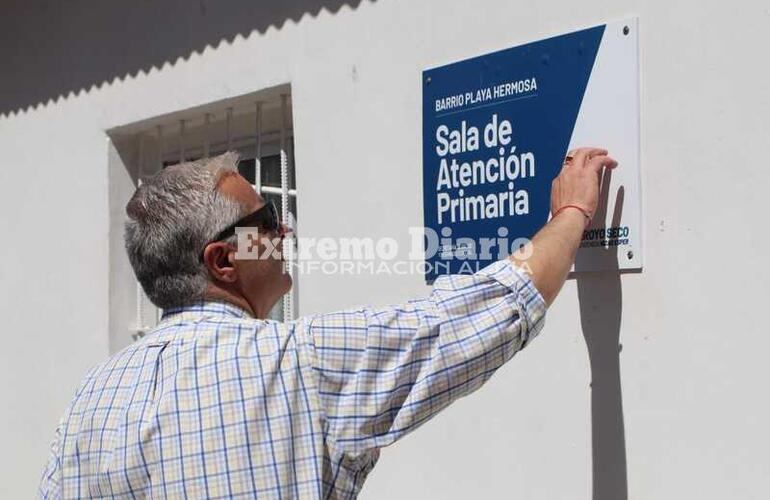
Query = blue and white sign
x=496 y=129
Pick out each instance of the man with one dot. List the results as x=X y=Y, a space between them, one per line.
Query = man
x=216 y=401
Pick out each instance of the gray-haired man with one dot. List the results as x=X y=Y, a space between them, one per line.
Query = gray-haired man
x=219 y=402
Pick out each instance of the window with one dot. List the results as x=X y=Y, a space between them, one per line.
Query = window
x=258 y=126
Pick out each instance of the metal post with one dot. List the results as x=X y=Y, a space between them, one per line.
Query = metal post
x=288 y=299
x=139 y=329
x=284 y=161
x=258 y=152
x=290 y=150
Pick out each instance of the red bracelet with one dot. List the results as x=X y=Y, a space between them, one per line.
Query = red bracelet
x=582 y=210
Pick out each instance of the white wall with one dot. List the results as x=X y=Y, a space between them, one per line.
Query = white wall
x=693 y=421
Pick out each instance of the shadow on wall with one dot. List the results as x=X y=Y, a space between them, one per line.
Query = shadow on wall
x=601 y=307
x=52 y=48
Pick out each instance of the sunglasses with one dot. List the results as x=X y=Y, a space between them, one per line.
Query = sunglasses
x=265 y=218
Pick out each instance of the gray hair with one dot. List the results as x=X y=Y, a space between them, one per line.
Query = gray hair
x=172 y=216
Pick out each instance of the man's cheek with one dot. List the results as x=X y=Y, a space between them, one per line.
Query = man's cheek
x=270 y=249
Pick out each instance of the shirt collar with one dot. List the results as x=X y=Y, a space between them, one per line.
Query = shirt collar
x=207 y=308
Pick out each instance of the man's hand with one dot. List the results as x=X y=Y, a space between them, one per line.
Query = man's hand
x=555 y=245
x=578 y=182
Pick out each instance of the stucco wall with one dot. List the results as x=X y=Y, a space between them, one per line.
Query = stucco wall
x=679 y=411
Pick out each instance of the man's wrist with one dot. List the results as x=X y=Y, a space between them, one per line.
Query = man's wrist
x=571 y=223
x=574 y=214
x=575 y=207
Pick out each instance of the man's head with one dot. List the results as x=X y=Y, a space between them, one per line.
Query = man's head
x=174 y=218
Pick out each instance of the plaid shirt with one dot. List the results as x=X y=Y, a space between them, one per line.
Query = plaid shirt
x=213 y=403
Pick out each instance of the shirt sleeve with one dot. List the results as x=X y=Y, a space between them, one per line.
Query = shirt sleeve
x=384 y=371
x=49 y=483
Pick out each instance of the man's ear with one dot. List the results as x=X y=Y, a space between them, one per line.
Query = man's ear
x=216 y=258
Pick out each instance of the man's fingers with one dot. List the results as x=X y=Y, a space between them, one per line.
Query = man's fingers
x=580 y=155
x=587 y=149
x=597 y=162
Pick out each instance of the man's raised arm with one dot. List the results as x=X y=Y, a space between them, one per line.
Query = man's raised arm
x=384 y=371
x=574 y=196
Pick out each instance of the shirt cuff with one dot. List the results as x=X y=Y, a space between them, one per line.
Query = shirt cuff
x=530 y=302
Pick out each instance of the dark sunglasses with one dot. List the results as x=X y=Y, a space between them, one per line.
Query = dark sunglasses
x=264 y=218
